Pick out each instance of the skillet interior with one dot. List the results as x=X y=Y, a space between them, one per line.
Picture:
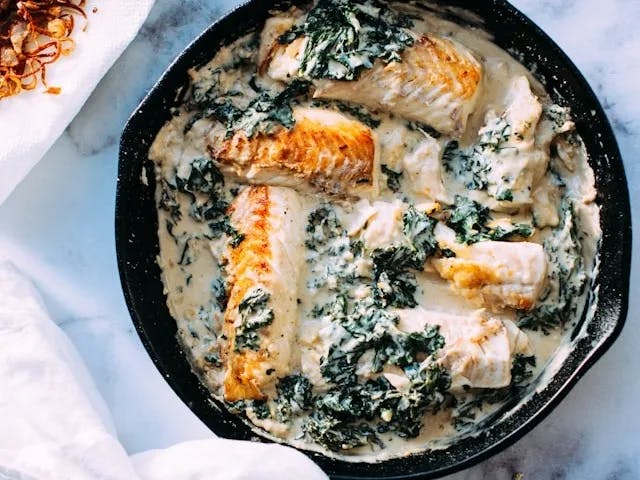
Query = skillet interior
x=137 y=241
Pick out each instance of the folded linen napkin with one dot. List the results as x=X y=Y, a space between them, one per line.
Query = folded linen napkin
x=55 y=426
x=32 y=121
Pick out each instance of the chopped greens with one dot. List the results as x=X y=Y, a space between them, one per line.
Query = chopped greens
x=254 y=315
x=336 y=420
x=469 y=167
x=394 y=285
x=469 y=220
x=222 y=225
x=323 y=225
x=294 y=395
x=567 y=276
x=168 y=201
x=264 y=113
x=335 y=434
x=219 y=290
x=494 y=136
x=472 y=166
x=393 y=178
x=505 y=195
x=204 y=186
x=345 y=37
x=204 y=177
x=418 y=228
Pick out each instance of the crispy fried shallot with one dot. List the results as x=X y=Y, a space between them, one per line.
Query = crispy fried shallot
x=33 y=34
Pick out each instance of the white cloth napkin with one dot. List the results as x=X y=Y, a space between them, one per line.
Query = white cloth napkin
x=32 y=121
x=55 y=426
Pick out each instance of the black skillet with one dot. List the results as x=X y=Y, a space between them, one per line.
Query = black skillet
x=137 y=242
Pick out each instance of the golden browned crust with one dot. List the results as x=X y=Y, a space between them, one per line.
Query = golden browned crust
x=248 y=263
x=470 y=278
x=335 y=156
x=445 y=65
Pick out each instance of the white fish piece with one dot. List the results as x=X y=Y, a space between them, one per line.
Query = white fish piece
x=517 y=163
x=281 y=60
x=493 y=274
x=437 y=82
x=269 y=258
x=324 y=150
x=478 y=349
x=424 y=170
x=384 y=227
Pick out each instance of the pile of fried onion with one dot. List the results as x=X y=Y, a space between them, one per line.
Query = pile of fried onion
x=33 y=34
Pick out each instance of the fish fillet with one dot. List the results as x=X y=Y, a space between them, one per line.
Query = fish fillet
x=268 y=259
x=437 y=82
x=478 y=349
x=326 y=150
x=497 y=274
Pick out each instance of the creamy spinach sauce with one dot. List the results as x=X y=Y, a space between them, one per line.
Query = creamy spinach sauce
x=424 y=302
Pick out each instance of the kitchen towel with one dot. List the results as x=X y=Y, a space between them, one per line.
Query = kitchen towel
x=32 y=121
x=55 y=426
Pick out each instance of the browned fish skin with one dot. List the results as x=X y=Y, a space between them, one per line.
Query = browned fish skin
x=268 y=258
x=328 y=150
x=247 y=264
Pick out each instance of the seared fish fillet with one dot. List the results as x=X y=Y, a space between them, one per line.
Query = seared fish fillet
x=496 y=274
x=478 y=349
x=436 y=83
x=265 y=265
x=324 y=149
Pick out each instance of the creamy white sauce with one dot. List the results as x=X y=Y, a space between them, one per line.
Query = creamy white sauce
x=191 y=260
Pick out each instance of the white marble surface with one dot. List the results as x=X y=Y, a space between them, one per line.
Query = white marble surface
x=58 y=228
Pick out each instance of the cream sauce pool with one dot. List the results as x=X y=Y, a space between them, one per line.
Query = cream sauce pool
x=551 y=190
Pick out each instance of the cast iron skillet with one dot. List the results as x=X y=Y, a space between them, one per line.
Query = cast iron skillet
x=137 y=242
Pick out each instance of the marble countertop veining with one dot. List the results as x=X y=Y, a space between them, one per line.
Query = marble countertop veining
x=58 y=228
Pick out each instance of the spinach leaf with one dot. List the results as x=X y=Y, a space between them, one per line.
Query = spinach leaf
x=469 y=220
x=471 y=166
x=567 y=276
x=267 y=112
x=372 y=328
x=468 y=167
x=336 y=419
x=394 y=288
x=204 y=177
x=345 y=37
x=402 y=349
x=254 y=315
x=223 y=225
x=418 y=227
x=505 y=195
x=294 y=395
x=169 y=201
x=322 y=226
x=394 y=284
x=393 y=178
x=335 y=435
x=263 y=114
x=219 y=290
